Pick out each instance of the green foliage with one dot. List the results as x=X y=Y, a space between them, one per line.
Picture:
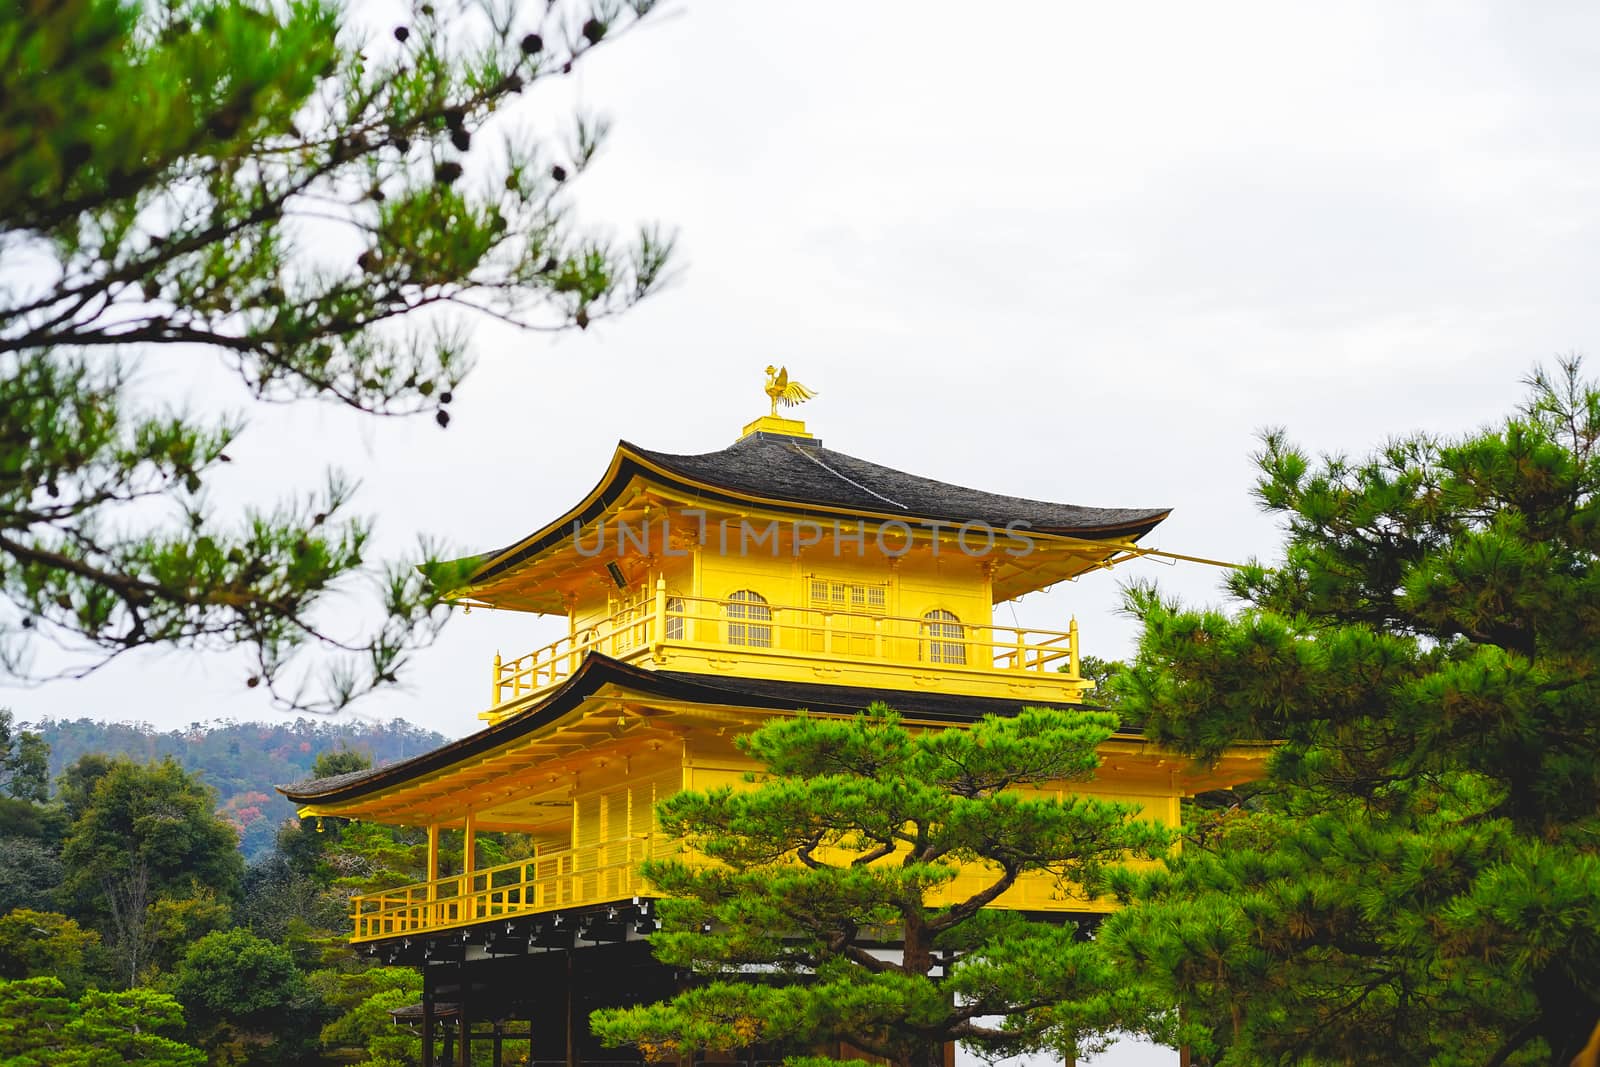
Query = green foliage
x=76 y=783
x=153 y=821
x=149 y=863
x=30 y=872
x=364 y=1000
x=1418 y=884
x=234 y=975
x=294 y=908
x=242 y=761
x=42 y=943
x=339 y=761
x=43 y=823
x=143 y=840
x=849 y=834
x=164 y=163
x=41 y=1026
x=24 y=762
x=175 y=921
x=246 y=1000
x=1101 y=672
x=249 y=1003
x=358 y=856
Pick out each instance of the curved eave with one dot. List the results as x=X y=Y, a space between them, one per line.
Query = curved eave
x=564 y=698
x=597 y=672
x=599 y=500
x=628 y=465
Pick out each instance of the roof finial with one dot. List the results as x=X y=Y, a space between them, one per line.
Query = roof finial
x=783 y=391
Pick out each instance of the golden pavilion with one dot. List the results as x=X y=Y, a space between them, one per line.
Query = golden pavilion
x=704 y=594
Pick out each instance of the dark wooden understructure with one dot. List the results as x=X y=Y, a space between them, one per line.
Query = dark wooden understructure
x=522 y=989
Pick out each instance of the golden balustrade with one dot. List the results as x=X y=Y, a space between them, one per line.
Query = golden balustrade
x=546 y=881
x=654 y=629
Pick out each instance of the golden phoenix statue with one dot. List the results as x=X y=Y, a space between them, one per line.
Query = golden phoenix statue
x=783 y=391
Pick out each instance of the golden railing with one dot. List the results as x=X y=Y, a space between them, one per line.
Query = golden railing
x=564 y=878
x=807 y=632
x=602 y=874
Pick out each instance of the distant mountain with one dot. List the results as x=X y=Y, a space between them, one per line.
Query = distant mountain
x=242 y=761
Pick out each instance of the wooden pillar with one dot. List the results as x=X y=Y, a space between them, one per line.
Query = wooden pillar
x=570 y=602
x=427 y=1019
x=464 y=1049
x=1074 y=661
x=449 y=1043
x=659 y=638
x=469 y=864
x=572 y=1011
x=499 y=1054
x=434 y=918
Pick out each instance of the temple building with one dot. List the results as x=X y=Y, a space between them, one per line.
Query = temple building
x=703 y=595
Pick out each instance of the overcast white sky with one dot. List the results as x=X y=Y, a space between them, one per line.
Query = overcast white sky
x=1073 y=251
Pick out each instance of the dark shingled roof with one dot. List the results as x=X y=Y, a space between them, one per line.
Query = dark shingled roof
x=333 y=781
x=797 y=474
x=598 y=670
x=799 y=469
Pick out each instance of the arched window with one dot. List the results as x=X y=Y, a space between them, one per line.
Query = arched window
x=944 y=638
x=749 y=619
x=674 y=618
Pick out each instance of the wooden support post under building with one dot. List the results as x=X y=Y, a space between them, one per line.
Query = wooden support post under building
x=499 y=1053
x=427 y=1019
x=572 y=1012
x=469 y=864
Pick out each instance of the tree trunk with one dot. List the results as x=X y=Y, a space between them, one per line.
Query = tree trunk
x=922 y=1054
x=128 y=900
x=1566 y=1016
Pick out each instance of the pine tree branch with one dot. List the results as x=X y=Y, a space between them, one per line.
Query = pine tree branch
x=1519 y=1037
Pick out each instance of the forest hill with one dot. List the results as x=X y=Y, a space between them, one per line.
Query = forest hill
x=241 y=761
x=124 y=897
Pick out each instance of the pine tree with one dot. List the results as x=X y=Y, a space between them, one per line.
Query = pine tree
x=1419 y=883
x=845 y=845
x=313 y=204
x=41 y=1026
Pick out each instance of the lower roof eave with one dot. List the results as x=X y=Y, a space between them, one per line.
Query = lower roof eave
x=598 y=671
